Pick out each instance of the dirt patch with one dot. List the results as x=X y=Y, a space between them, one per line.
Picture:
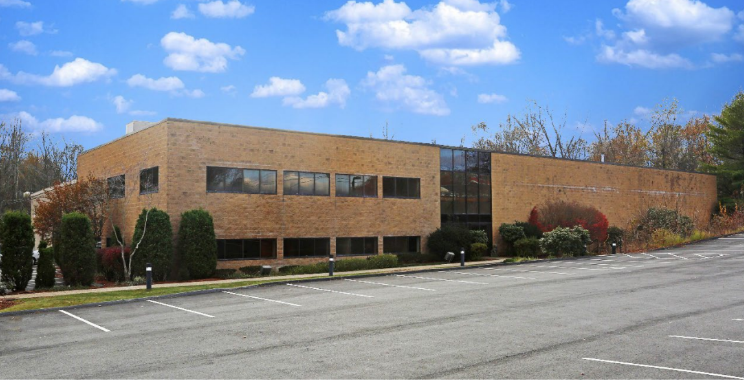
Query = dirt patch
x=4 y=304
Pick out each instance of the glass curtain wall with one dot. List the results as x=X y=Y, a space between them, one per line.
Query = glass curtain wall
x=465 y=188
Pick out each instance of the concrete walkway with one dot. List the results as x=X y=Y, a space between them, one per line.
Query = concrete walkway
x=490 y=261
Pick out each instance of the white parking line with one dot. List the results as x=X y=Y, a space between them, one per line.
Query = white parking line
x=684 y=258
x=180 y=308
x=442 y=279
x=488 y=275
x=396 y=286
x=737 y=319
x=708 y=339
x=732 y=238
x=529 y=271
x=644 y=253
x=665 y=368
x=83 y=320
x=331 y=291
x=259 y=298
x=704 y=257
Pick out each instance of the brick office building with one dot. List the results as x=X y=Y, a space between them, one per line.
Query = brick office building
x=283 y=197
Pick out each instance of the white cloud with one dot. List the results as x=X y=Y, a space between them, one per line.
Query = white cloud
x=278 y=87
x=338 y=92
x=122 y=105
x=74 y=123
x=601 y=31
x=189 y=54
x=231 y=9
x=174 y=85
x=454 y=32
x=71 y=73
x=491 y=98
x=24 y=46
x=505 y=6
x=739 y=36
x=642 y=111
x=32 y=28
x=196 y=94
x=60 y=53
x=230 y=89
x=15 y=3
x=181 y=11
x=642 y=58
x=8 y=95
x=723 y=58
x=142 y=113
x=393 y=86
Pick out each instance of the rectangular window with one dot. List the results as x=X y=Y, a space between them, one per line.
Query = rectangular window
x=307 y=183
x=307 y=247
x=349 y=246
x=116 y=187
x=354 y=185
x=149 y=180
x=445 y=159
x=398 y=187
x=245 y=181
x=401 y=244
x=246 y=249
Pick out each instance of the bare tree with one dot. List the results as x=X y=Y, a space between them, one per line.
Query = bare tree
x=622 y=144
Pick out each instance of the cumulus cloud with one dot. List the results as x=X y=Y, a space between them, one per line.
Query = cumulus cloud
x=739 y=36
x=338 y=92
x=505 y=6
x=278 y=87
x=724 y=58
x=491 y=98
x=122 y=105
x=654 y=31
x=393 y=86
x=32 y=28
x=181 y=11
x=191 y=54
x=230 y=9
x=23 y=46
x=8 y=95
x=173 y=85
x=15 y=3
x=74 y=123
x=454 y=32
x=71 y=73
x=229 y=89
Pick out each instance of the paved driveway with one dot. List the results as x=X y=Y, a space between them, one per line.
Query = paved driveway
x=671 y=314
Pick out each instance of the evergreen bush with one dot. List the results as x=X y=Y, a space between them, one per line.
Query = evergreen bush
x=477 y=250
x=197 y=245
x=156 y=246
x=449 y=238
x=563 y=241
x=45 y=270
x=77 y=251
x=527 y=247
x=16 y=247
x=530 y=230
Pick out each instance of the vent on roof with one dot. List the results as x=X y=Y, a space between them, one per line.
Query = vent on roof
x=137 y=126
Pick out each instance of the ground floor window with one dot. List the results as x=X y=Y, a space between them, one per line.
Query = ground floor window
x=307 y=247
x=246 y=249
x=348 y=246
x=401 y=244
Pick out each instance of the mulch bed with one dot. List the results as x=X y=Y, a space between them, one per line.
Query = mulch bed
x=4 y=304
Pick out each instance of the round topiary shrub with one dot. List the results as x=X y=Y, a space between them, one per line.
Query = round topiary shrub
x=45 y=269
x=449 y=238
x=155 y=239
x=16 y=246
x=511 y=232
x=563 y=241
x=477 y=250
x=197 y=245
x=77 y=251
x=527 y=247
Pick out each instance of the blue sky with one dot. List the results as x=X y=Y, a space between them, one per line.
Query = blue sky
x=431 y=69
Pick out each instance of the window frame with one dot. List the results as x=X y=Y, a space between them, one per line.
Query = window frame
x=364 y=241
x=156 y=188
x=242 y=173
x=395 y=189
x=123 y=186
x=299 y=177
x=364 y=181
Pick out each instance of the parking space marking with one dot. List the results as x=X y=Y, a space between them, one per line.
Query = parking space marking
x=732 y=238
x=529 y=271
x=644 y=253
x=704 y=257
x=737 y=319
x=395 y=286
x=84 y=321
x=708 y=339
x=443 y=279
x=665 y=368
x=180 y=308
x=262 y=299
x=331 y=291
x=488 y=275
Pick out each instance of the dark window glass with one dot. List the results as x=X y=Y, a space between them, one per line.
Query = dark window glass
x=322 y=247
x=149 y=181
x=239 y=249
x=268 y=181
x=291 y=183
x=356 y=246
x=343 y=246
x=401 y=187
x=414 y=190
x=251 y=249
x=233 y=180
x=215 y=179
x=322 y=184
x=342 y=185
x=370 y=186
x=397 y=187
x=251 y=181
x=485 y=163
x=472 y=193
x=485 y=194
x=268 y=247
x=471 y=160
x=460 y=181
x=307 y=183
x=307 y=247
x=401 y=244
x=458 y=160
x=356 y=184
x=388 y=187
x=116 y=186
x=233 y=249
x=370 y=245
x=291 y=247
x=445 y=159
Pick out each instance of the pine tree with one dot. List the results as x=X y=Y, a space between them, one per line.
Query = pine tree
x=727 y=148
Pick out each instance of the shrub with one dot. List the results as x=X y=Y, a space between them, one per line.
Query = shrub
x=351 y=264
x=43 y=244
x=665 y=238
x=569 y=214
x=565 y=241
x=449 y=238
x=477 y=250
x=479 y=236
x=511 y=232
x=156 y=246
x=527 y=247
x=383 y=261
x=287 y=269
x=112 y=264
x=699 y=235
x=197 y=245
x=662 y=218
x=17 y=238
x=224 y=273
x=418 y=258
x=77 y=250
x=530 y=230
x=251 y=270
x=45 y=269
x=615 y=235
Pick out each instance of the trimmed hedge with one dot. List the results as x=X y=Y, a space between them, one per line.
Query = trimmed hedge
x=344 y=265
x=156 y=247
x=418 y=258
x=197 y=244
x=17 y=247
x=450 y=238
x=77 y=251
x=45 y=270
x=527 y=247
x=565 y=241
x=477 y=250
x=511 y=232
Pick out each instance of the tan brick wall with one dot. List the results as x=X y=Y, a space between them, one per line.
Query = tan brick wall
x=620 y=192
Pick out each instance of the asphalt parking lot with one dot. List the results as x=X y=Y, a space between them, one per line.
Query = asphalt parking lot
x=666 y=314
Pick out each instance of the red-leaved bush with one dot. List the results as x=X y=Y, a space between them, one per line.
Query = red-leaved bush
x=569 y=214
x=110 y=262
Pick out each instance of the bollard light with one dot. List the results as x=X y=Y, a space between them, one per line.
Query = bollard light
x=462 y=257
x=614 y=248
x=331 y=264
x=148 y=271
